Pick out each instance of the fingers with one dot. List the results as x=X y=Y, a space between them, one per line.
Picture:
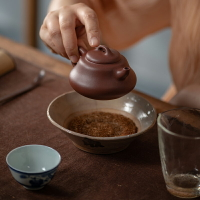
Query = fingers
x=55 y=35
x=51 y=35
x=69 y=38
x=89 y=18
x=65 y=29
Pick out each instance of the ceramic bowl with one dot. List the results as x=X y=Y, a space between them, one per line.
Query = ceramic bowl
x=33 y=166
x=71 y=104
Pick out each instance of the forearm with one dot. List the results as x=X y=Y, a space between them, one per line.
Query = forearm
x=124 y=23
x=56 y=4
x=188 y=96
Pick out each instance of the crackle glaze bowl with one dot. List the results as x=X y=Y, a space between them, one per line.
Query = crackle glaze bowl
x=66 y=106
x=33 y=166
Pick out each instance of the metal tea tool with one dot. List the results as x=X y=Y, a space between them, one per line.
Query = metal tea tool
x=33 y=85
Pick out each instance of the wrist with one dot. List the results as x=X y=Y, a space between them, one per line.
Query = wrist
x=188 y=96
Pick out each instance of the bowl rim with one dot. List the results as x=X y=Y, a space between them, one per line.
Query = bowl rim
x=29 y=172
x=93 y=137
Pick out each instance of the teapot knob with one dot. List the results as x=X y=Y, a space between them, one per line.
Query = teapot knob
x=104 y=49
x=121 y=74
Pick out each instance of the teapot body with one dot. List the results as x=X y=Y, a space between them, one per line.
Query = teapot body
x=102 y=81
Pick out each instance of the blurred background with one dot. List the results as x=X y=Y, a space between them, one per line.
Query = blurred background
x=20 y=20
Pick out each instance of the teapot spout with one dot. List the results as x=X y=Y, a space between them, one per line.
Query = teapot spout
x=121 y=74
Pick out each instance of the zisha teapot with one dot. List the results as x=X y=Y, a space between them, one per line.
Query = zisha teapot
x=102 y=73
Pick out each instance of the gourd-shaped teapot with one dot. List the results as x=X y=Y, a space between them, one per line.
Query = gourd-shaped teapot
x=102 y=73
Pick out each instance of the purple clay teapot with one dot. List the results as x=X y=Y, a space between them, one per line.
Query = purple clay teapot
x=102 y=73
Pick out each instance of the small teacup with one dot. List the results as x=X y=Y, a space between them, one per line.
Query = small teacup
x=33 y=166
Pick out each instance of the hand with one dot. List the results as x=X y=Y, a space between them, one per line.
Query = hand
x=69 y=27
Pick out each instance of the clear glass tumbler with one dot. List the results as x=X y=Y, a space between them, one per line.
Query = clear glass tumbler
x=179 y=144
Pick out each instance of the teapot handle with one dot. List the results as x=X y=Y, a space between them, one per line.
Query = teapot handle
x=82 y=51
x=73 y=64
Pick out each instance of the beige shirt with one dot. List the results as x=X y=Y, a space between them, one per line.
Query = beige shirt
x=125 y=22
x=185 y=43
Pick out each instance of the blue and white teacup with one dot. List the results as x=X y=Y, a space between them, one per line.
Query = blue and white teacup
x=33 y=166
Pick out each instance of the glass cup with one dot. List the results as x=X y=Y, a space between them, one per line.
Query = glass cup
x=179 y=145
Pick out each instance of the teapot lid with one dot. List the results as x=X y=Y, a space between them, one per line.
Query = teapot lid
x=103 y=55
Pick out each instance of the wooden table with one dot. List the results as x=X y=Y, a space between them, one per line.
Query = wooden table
x=134 y=173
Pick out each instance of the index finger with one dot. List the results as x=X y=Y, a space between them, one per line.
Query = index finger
x=89 y=18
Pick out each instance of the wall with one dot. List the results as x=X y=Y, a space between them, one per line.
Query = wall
x=148 y=58
x=11 y=19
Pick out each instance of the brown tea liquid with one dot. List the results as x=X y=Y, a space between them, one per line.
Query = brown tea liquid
x=102 y=124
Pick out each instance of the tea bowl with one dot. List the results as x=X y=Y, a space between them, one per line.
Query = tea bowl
x=66 y=106
x=33 y=166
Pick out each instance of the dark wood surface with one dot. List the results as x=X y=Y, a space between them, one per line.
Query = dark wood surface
x=134 y=173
